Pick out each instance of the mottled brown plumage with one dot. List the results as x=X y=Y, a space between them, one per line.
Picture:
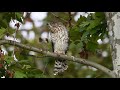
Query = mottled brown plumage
x=59 y=37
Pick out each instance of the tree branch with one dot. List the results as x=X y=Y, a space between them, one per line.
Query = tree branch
x=33 y=55
x=69 y=58
x=61 y=18
x=70 y=19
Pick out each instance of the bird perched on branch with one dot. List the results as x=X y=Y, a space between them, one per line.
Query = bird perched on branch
x=59 y=38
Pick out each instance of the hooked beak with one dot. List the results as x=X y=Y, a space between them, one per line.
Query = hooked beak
x=48 y=24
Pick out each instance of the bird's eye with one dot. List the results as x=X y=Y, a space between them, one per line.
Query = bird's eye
x=52 y=31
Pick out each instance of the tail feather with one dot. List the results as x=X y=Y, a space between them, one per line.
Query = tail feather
x=60 y=66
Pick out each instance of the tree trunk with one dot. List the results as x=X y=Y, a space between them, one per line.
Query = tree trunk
x=113 y=22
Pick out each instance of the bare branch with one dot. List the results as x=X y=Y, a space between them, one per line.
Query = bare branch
x=69 y=58
x=33 y=55
x=70 y=19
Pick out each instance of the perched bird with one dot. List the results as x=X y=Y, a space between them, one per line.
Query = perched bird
x=59 y=38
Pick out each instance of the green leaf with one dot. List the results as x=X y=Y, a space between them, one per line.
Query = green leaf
x=84 y=36
x=72 y=46
x=93 y=16
x=9 y=59
x=81 y=19
x=94 y=23
x=93 y=31
x=91 y=46
x=76 y=42
x=75 y=35
x=35 y=73
x=84 y=24
x=19 y=74
x=100 y=15
x=10 y=30
x=80 y=45
x=19 y=17
x=3 y=23
x=26 y=67
x=2 y=32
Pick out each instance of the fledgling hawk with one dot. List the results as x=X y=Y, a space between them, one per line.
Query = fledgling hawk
x=59 y=37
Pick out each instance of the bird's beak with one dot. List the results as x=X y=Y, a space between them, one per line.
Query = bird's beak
x=48 y=24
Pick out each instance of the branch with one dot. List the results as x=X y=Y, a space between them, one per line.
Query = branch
x=69 y=58
x=70 y=19
x=33 y=55
x=61 y=18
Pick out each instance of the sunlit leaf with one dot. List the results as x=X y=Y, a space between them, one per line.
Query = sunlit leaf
x=94 y=23
x=84 y=24
x=26 y=67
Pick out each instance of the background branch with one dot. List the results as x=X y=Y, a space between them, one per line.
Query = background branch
x=70 y=19
x=69 y=58
x=63 y=19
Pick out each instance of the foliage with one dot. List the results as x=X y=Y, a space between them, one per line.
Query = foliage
x=83 y=43
x=89 y=29
x=5 y=18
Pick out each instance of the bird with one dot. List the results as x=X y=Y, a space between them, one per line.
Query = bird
x=58 y=36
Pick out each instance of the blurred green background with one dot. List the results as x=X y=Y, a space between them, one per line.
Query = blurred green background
x=88 y=40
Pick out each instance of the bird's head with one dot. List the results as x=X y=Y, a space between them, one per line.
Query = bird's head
x=54 y=26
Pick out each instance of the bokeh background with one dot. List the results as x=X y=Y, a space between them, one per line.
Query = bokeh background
x=41 y=66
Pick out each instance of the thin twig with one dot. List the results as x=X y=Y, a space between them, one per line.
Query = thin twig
x=69 y=58
x=61 y=18
x=70 y=19
x=97 y=76
x=14 y=37
x=45 y=68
